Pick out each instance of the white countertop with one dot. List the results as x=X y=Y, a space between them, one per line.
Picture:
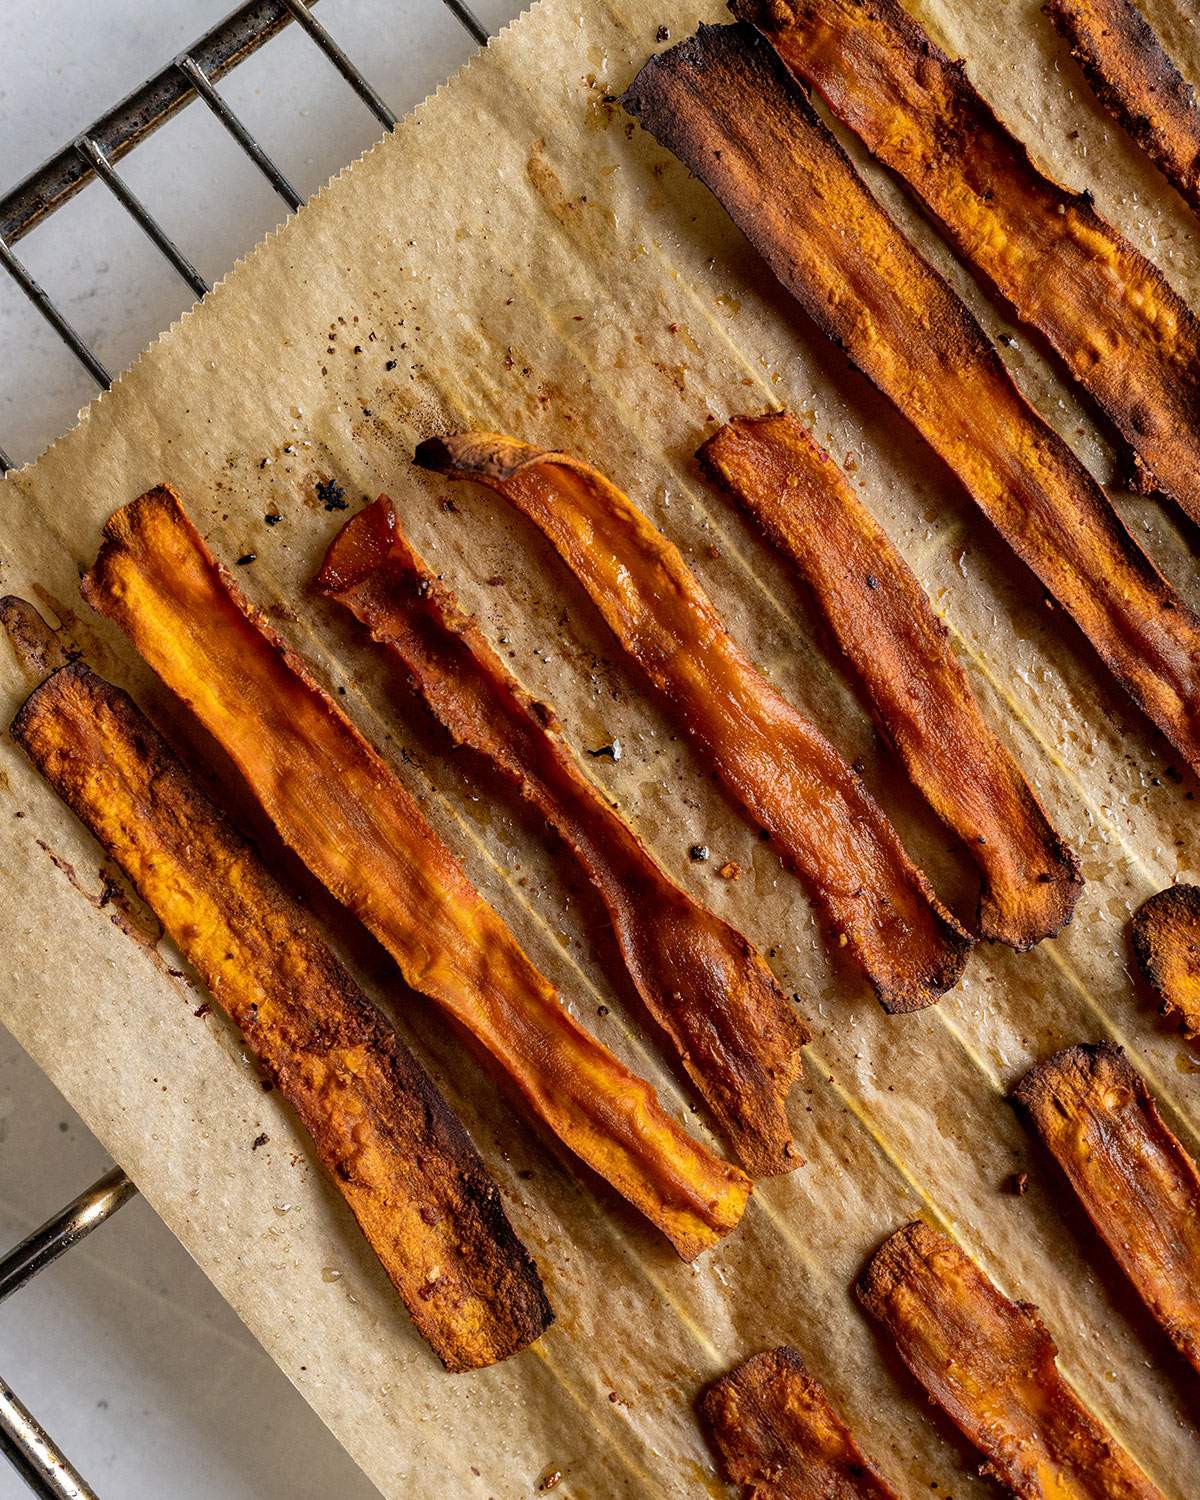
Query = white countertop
x=123 y=1350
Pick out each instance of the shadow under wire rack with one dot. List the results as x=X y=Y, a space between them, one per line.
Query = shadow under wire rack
x=93 y=154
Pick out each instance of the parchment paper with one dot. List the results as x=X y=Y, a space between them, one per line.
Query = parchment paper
x=520 y=256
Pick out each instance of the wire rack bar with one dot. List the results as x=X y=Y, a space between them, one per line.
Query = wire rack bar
x=34 y=1454
x=466 y=16
x=133 y=119
x=196 y=76
x=94 y=153
x=305 y=18
x=141 y=215
x=23 y=1440
x=50 y=312
x=70 y=1225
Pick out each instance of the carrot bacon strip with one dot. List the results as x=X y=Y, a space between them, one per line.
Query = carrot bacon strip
x=1139 y=1186
x=703 y=982
x=775 y=1431
x=397 y=1153
x=1166 y=943
x=1137 y=83
x=825 y=824
x=897 y=646
x=1130 y=341
x=990 y=1365
x=727 y=107
x=339 y=806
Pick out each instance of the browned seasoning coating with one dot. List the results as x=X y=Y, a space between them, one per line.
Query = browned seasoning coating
x=823 y=822
x=1166 y=943
x=344 y=812
x=1137 y=82
x=704 y=984
x=727 y=107
x=776 y=1433
x=37 y=648
x=898 y=648
x=990 y=1365
x=1126 y=336
x=1139 y=1186
x=388 y=1139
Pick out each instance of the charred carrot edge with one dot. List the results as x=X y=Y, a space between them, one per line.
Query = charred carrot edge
x=724 y=103
x=825 y=825
x=990 y=1365
x=774 y=1430
x=704 y=984
x=897 y=646
x=1126 y=336
x=1165 y=934
x=1140 y=1188
x=390 y=1142
x=1137 y=82
x=340 y=807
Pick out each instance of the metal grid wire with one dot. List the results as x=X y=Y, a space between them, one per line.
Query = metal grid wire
x=93 y=155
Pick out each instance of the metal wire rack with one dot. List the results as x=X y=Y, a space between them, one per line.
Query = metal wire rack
x=93 y=155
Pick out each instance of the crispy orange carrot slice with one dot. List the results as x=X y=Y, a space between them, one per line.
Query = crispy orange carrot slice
x=388 y=1139
x=1166 y=943
x=897 y=646
x=704 y=984
x=341 y=808
x=824 y=823
x=727 y=107
x=1137 y=82
x=1139 y=1186
x=990 y=1365
x=1129 y=340
x=775 y=1432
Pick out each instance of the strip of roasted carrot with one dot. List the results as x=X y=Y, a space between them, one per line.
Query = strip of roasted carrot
x=1137 y=82
x=1166 y=943
x=776 y=1433
x=824 y=823
x=920 y=695
x=990 y=1365
x=341 y=808
x=1129 y=340
x=727 y=107
x=1139 y=1186
x=702 y=981
x=391 y=1143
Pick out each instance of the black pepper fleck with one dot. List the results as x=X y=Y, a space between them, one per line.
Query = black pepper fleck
x=331 y=492
x=272 y=518
x=698 y=852
x=246 y=559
